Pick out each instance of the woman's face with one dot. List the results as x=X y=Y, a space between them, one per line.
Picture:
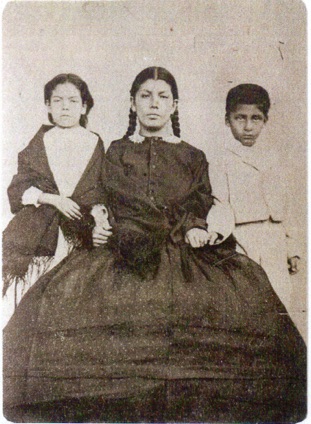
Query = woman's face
x=154 y=105
x=66 y=105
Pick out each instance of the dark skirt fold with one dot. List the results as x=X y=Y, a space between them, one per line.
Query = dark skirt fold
x=212 y=344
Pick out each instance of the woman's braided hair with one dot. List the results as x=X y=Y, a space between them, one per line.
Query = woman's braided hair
x=132 y=123
x=153 y=72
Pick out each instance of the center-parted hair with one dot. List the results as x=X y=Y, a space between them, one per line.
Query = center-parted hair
x=79 y=84
x=154 y=73
x=248 y=94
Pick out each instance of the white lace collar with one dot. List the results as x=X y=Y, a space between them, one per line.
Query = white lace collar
x=137 y=138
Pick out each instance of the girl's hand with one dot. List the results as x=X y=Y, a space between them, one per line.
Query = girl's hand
x=68 y=207
x=100 y=236
x=198 y=237
x=293 y=265
x=65 y=205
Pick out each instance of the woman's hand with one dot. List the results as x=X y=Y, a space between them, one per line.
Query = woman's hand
x=101 y=231
x=100 y=236
x=65 y=205
x=197 y=237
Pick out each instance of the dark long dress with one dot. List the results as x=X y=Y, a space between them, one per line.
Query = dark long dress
x=147 y=328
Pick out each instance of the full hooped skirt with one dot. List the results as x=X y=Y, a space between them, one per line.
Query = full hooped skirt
x=201 y=337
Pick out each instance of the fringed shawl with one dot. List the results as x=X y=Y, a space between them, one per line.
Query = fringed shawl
x=33 y=231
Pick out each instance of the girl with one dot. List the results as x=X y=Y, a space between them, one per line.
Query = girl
x=58 y=181
x=257 y=190
x=148 y=328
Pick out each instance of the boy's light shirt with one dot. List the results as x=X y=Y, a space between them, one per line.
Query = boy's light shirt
x=270 y=192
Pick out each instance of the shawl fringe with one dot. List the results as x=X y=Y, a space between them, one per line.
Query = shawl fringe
x=23 y=275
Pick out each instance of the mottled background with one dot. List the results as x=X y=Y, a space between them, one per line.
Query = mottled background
x=209 y=46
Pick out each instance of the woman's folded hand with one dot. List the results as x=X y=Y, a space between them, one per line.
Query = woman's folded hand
x=100 y=236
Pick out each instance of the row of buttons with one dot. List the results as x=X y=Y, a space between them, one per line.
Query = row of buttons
x=153 y=167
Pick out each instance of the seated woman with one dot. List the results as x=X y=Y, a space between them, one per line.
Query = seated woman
x=148 y=327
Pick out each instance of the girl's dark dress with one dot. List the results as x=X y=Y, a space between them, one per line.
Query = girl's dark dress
x=147 y=328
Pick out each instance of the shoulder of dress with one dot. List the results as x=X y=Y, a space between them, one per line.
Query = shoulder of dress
x=116 y=147
x=191 y=148
x=44 y=129
x=37 y=140
x=99 y=142
x=120 y=143
x=193 y=156
x=194 y=151
x=98 y=137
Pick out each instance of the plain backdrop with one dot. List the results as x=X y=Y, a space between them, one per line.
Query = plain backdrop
x=209 y=46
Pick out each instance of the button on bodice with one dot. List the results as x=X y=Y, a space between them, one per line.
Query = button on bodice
x=163 y=171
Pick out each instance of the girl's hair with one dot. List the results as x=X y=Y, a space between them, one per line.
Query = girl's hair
x=248 y=94
x=79 y=84
x=155 y=73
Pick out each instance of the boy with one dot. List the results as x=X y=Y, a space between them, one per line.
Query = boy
x=257 y=190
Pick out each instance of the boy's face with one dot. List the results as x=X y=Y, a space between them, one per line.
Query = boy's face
x=246 y=123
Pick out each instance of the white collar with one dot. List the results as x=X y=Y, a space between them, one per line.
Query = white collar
x=137 y=138
x=260 y=155
x=68 y=135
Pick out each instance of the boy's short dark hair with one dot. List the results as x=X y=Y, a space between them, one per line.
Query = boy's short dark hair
x=248 y=94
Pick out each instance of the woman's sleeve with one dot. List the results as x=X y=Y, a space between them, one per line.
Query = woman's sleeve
x=220 y=218
x=194 y=207
x=112 y=156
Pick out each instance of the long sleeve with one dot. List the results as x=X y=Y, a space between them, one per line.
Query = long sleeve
x=33 y=171
x=25 y=179
x=291 y=225
x=142 y=189
x=293 y=245
x=31 y=196
x=281 y=199
x=220 y=218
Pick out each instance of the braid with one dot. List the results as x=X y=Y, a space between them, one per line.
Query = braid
x=132 y=123
x=175 y=123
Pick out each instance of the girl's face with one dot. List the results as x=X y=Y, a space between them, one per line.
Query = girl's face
x=154 y=105
x=246 y=123
x=66 y=105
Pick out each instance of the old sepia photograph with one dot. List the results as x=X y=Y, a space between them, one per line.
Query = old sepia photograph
x=154 y=211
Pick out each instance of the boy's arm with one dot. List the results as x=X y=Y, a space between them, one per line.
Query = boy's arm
x=293 y=243
x=292 y=225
